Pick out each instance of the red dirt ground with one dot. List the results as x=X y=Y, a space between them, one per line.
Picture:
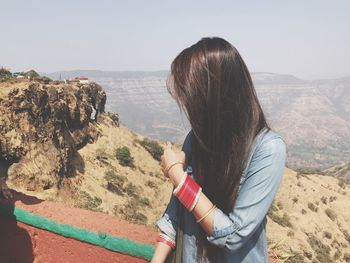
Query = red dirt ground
x=20 y=243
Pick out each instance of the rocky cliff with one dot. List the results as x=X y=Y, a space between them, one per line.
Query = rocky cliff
x=42 y=127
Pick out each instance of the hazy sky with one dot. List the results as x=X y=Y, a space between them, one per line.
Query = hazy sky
x=310 y=39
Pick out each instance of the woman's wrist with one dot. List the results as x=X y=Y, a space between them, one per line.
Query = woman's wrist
x=175 y=174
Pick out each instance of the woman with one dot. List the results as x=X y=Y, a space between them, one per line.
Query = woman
x=234 y=161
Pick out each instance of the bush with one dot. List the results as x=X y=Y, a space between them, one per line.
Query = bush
x=330 y=213
x=130 y=212
x=322 y=252
x=324 y=200
x=312 y=207
x=151 y=184
x=112 y=176
x=332 y=198
x=346 y=235
x=303 y=211
x=86 y=201
x=132 y=190
x=346 y=257
x=282 y=221
x=124 y=156
x=297 y=258
x=115 y=182
x=5 y=74
x=295 y=200
x=145 y=201
x=153 y=147
x=337 y=255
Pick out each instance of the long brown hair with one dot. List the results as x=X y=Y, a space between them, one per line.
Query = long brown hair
x=212 y=85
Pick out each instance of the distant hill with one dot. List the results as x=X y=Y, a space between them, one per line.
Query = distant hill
x=313 y=116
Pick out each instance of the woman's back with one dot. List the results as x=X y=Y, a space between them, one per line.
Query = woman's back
x=240 y=234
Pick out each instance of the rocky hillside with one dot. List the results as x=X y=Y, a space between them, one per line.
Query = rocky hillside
x=309 y=220
x=57 y=143
x=53 y=146
x=313 y=116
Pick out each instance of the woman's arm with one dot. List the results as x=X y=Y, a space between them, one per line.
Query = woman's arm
x=203 y=205
x=161 y=253
x=253 y=201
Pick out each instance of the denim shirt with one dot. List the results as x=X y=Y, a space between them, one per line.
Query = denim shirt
x=241 y=234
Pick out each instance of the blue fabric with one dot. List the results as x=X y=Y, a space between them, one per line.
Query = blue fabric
x=241 y=234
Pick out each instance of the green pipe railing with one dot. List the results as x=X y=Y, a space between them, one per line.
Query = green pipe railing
x=121 y=245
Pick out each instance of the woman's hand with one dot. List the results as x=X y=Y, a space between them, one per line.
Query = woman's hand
x=169 y=158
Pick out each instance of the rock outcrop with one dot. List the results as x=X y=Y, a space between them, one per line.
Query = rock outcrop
x=42 y=127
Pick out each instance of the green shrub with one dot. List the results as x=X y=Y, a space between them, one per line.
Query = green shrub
x=153 y=147
x=330 y=213
x=124 y=156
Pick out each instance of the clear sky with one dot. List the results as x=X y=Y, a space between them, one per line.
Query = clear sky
x=306 y=38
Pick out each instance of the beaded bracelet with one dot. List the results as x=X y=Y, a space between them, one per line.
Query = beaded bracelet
x=166 y=240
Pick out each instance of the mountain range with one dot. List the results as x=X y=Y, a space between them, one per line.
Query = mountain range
x=313 y=116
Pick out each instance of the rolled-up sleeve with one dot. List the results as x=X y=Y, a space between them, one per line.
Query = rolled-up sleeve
x=254 y=198
x=168 y=221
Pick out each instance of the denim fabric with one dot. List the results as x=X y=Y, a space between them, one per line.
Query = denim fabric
x=241 y=234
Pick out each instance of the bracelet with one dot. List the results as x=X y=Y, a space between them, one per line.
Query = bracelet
x=188 y=192
x=166 y=240
x=178 y=187
x=206 y=214
x=171 y=166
